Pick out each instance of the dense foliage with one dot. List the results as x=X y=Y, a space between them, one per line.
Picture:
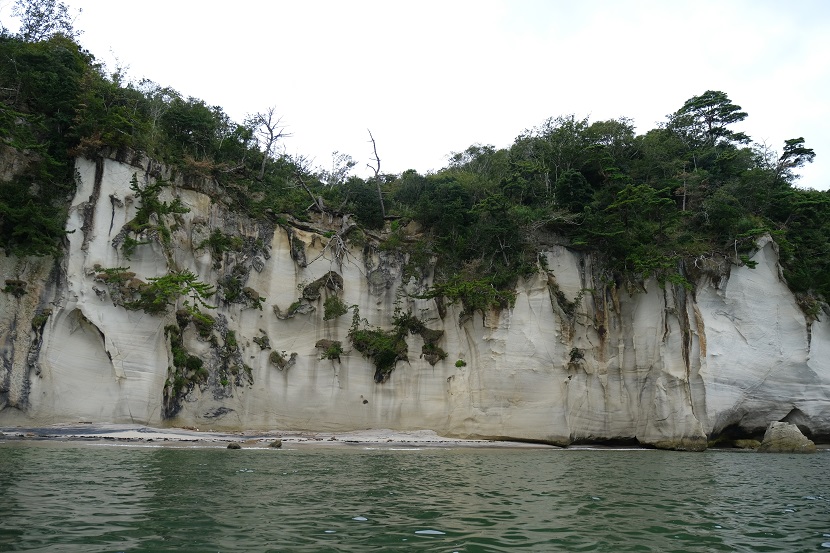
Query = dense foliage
x=649 y=204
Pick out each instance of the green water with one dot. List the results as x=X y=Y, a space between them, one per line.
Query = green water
x=65 y=497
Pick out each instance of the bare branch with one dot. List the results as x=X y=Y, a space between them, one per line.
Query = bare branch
x=337 y=245
x=318 y=200
x=376 y=169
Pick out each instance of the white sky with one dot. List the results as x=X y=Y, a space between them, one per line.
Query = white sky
x=433 y=77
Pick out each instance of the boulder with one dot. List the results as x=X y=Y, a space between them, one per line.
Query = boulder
x=783 y=437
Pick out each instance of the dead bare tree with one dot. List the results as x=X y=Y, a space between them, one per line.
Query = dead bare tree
x=376 y=169
x=268 y=131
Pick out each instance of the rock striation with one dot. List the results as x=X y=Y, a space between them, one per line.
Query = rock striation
x=577 y=358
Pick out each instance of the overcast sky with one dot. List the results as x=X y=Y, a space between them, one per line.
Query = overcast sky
x=433 y=77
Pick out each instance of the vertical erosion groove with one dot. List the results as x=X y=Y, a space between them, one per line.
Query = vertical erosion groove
x=91 y=203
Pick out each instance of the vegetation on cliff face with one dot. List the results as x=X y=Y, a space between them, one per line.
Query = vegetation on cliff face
x=386 y=347
x=648 y=204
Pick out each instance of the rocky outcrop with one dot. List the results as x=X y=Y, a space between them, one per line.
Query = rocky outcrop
x=577 y=358
x=783 y=437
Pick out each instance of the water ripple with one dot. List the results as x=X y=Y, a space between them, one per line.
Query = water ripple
x=74 y=498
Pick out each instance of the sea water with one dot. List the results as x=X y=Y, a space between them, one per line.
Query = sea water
x=82 y=497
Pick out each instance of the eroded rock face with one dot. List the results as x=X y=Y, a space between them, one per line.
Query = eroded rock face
x=575 y=359
x=783 y=437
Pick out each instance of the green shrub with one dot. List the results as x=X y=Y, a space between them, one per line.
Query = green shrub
x=218 y=243
x=333 y=307
x=230 y=341
x=187 y=371
x=474 y=294
x=262 y=341
x=150 y=207
x=203 y=322
x=332 y=349
x=39 y=320
x=279 y=359
x=384 y=348
x=16 y=288
x=160 y=293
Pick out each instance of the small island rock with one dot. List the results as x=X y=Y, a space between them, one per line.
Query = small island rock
x=783 y=437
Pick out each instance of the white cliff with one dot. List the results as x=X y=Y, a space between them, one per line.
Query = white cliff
x=576 y=358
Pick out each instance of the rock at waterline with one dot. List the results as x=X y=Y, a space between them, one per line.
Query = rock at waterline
x=783 y=437
x=276 y=443
x=234 y=445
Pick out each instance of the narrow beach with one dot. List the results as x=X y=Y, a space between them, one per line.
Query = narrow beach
x=132 y=434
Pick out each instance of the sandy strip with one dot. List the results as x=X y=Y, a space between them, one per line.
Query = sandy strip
x=183 y=437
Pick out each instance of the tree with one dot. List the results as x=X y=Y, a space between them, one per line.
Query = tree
x=360 y=202
x=703 y=120
x=635 y=231
x=39 y=87
x=341 y=165
x=795 y=155
x=495 y=230
x=611 y=148
x=572 y=191
x=41 y=19
x=158 y=101
x=190 y=127
x=566 y=142
x=483 y=160
x=541 y=155
x=444 y=205
x=408 y=188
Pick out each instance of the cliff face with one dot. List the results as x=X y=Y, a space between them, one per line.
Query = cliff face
x=575 y=359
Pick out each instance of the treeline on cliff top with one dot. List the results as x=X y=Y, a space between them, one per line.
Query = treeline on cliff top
x=652 y=204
